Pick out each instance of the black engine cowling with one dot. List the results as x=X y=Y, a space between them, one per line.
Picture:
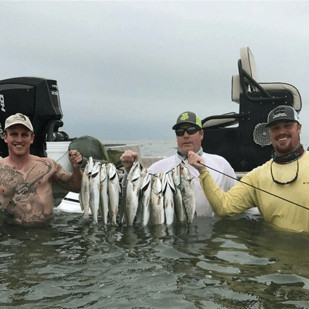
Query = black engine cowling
x=38 y=98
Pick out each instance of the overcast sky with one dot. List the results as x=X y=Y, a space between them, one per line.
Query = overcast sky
x=126 y=70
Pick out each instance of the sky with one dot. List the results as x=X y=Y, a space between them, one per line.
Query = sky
x=126 y=70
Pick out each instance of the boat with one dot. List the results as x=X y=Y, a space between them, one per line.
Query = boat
x=240 y=137
x=39 y=99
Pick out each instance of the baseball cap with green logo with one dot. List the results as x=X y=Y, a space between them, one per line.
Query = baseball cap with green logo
x=188 y=117
x=18 y=119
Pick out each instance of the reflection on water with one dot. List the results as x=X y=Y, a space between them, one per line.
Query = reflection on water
x=225 y=263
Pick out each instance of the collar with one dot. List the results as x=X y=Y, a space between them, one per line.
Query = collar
x=183 y=157
x=292 y=156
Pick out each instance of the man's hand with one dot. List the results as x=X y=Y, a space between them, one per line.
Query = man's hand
x=75 y=158
x=127 y=159
x=195 y=160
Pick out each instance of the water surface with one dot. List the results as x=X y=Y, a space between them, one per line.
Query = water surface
x=241 y=263
x=226 y=263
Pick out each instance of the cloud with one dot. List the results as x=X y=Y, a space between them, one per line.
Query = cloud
x=127 y=69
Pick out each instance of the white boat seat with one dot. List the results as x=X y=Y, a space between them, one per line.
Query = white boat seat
x=285 y=87
x=248 y=62
x=249 y=66
x=222 y=122
x=236 y=91
x=246 y=144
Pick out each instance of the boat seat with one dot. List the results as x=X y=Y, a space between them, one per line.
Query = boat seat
x=254 y=89
x=275 y=86
x=249 y=66
x=297 y=104
x=246 y=144
x=220 y=121
x=248 y=62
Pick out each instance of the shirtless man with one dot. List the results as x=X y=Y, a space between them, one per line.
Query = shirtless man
x=26 y=181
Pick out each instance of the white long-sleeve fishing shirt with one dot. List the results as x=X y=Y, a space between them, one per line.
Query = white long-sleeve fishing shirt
x=216 y=162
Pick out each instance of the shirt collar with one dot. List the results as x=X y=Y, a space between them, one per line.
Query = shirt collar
x=183 y=157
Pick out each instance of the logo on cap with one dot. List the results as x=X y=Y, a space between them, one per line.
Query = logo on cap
x=184 y=116
x=279 y=112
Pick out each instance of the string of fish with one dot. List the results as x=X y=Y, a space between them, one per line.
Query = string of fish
x=162 y=198
x=100 y=192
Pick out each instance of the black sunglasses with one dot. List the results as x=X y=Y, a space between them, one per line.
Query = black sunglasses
x=279 y=182
x=189 y=130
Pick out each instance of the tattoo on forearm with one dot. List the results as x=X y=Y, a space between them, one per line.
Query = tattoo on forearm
x=65 y=179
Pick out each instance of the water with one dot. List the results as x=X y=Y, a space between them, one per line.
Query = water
x=226 y=263
x=150 y=147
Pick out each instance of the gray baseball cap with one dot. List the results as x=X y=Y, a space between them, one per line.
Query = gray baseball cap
x=188 y=117
x=282 y=112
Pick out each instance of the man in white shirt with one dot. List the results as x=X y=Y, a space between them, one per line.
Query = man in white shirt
x=188 y=129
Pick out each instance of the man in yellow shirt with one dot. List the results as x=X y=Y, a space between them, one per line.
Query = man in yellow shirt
x=279 y=188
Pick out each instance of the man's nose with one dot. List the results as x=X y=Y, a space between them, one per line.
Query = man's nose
x=19 y=138
x=281 y=130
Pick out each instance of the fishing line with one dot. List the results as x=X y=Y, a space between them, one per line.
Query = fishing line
x=282 y=198
x=239 y=180
x=165 y=172
x=62 y=156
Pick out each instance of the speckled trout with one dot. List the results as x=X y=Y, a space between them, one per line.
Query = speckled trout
x=132 y=192
x=168 y=189
x=85 y=189
x=143 y=211
x=103 y=193
x=94 y=192
x=156 y=200
x=113 y=192
x=180 y=211
x=187 y=191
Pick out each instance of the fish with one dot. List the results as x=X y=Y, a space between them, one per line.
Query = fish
x=113 y=192
x=143 y=212
x=103 y=206
x=122 y=212
x=84 y=193
x=132 y=192
x=156 y=200
x=187 y=191
x=180 y=211
x=168 y=189
x=94 y=192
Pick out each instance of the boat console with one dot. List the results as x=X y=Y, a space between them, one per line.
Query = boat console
x=38 y=98
x=241 y=138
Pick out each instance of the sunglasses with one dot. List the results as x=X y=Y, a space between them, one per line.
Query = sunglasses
x=283 y=183
x=189 y=130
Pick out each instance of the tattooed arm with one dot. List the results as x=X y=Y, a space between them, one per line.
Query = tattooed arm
x=66 y=180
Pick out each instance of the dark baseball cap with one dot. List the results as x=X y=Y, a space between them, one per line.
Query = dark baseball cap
x=188 y=117
x=282 y=112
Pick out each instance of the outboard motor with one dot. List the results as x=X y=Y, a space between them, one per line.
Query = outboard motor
x=38 y=98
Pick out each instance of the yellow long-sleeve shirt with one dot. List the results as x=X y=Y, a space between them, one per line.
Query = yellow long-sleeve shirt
x=278 y=212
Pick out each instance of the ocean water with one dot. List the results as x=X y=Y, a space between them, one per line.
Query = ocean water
x=150 y=147
x=212 y=263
